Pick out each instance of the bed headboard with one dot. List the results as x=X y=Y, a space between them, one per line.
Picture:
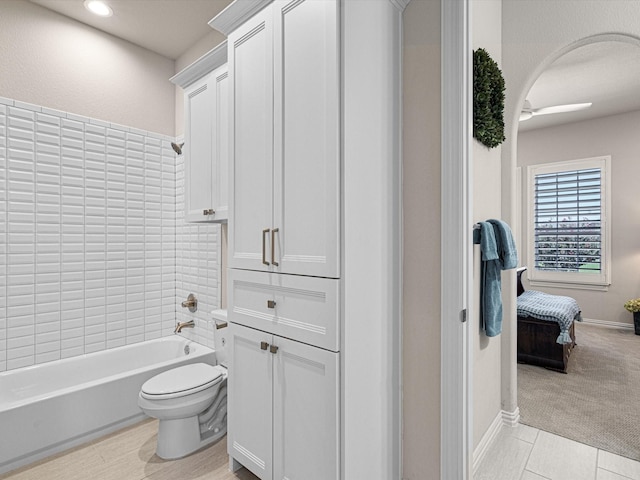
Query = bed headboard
x=519 y=272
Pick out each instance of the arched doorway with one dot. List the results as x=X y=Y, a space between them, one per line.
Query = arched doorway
x=525 y=79
x=559 y=146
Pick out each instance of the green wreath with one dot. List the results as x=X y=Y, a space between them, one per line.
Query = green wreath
x=488 y=100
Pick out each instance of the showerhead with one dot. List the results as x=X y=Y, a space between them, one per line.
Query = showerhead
x=177 y=148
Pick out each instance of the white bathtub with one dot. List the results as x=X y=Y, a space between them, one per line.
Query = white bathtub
x=47 y=408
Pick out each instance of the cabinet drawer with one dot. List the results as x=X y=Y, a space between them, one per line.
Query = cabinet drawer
x=301 y=308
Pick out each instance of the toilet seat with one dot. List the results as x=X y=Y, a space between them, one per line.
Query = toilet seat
x=182 y=381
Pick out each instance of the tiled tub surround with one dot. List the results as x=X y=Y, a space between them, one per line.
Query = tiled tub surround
x=93 y=250
x=50 y=407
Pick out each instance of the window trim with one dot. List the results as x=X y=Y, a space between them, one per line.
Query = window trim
x=572 y=279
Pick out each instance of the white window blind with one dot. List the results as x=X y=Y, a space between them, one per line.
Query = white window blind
x=568 y=222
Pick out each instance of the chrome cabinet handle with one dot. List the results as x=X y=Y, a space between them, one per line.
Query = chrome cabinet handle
x=264 y=247
x=264 y=345
x=273 y=246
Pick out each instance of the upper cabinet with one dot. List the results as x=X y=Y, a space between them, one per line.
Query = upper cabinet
x=285 y=179
x=206 y=137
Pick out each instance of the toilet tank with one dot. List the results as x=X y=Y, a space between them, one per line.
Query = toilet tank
x=220 y=336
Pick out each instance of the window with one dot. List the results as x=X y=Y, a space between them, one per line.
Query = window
x=569 y=226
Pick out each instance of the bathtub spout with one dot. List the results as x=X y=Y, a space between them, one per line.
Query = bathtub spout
x=181 y=325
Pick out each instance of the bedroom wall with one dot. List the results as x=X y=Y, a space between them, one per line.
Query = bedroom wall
x=616 y=135
x=486 y=31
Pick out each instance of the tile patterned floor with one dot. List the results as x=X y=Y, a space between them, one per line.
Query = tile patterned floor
x=129 y=454
x=519 y=453
x=525 y=453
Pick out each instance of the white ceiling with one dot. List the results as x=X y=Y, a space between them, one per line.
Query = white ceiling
x=167 y=27
x=605 y=73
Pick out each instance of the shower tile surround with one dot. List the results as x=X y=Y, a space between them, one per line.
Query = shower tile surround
x=94 y=252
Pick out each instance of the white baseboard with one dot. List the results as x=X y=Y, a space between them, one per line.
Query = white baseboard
x=486 y=441
x=508 y=419
x=605 y=323
x=511 y=419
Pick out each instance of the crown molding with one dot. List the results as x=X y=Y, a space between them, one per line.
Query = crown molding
x=240 y=11
x=208 y=62
x=236 y=14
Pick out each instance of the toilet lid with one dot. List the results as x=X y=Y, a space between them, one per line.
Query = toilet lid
x=188 y=378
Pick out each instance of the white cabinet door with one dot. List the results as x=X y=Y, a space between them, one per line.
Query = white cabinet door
x=206 y=149
x=250 y=401
x=306 y=426
x=306 y=141
x=285 y=206
x=250 y=52
x=197 y=150
x=283 y=407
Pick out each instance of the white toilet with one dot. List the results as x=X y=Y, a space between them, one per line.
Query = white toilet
x=191 y=404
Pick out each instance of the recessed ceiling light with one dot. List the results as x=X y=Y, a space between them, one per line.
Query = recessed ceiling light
x=98 y=7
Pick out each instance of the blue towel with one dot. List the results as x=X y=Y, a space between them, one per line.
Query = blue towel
x=498 y=252
x=506 y=245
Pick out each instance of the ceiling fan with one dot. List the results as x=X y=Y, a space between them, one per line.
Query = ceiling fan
x=528 y=112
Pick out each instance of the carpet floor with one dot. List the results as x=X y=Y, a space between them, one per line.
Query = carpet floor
x=598 y=401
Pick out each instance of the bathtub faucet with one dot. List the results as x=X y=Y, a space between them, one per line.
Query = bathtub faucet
x=191 y=303
x=181 y=325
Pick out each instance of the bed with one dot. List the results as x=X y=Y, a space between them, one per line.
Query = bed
x=545 y=337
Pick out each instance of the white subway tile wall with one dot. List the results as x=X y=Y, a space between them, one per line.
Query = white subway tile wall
x=94 y=253
x=197 y=263
x=3 y=237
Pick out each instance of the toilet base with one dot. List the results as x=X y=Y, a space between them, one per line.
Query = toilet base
x=178 y=438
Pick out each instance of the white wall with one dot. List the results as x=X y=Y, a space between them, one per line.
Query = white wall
x=421 y=240
x=89 y=257
x=93 y=249
x=50 y=60
x=87 y=277
x=486 y=33
x=197 y=269
x=617 y=136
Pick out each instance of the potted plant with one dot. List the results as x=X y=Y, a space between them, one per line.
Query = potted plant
x=634 y=307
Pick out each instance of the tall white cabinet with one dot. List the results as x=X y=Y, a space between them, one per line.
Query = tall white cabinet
x=314 y=237
x=206 y=137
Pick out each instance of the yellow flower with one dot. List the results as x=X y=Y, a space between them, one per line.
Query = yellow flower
x=633 y=305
